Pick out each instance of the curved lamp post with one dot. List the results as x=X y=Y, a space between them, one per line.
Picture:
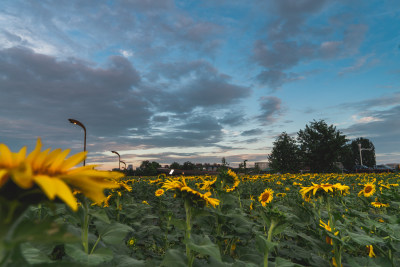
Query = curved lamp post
x=84 y=140
x=123 y=163
x=119 y=159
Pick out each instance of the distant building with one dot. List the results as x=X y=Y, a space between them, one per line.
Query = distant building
x=130 y=167
x=262 y=166
x=394 y=165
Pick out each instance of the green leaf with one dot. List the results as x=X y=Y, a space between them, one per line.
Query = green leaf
x=178 y=223
x=174 y=257
x=126 y=261
x=76 y=252
x=100 y=214
x=279 y=229
x=284 y=263
x=365 y=239
x=112 y=233
x=263 y=245
x=205 y=246
x=34 y=255
x=46 y=231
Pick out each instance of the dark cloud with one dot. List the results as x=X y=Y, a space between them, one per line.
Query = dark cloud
x=252 y=132
x=190 y=85
x=270 y=109
x=291 y=39
x=160 y=118
x=233 y=118
x=43 y=90
x=380 y=102
x=151 y=29
x=383 y=132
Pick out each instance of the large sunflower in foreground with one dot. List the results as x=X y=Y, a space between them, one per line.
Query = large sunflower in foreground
x=368 y=190
x=54 y=174
x=266 y=196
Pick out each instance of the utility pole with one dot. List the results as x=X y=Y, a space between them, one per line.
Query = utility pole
x=361 y=149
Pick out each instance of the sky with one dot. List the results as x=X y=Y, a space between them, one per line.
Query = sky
x=167 y=81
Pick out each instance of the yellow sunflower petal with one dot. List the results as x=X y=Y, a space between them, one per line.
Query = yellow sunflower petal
x=6 y=158
x=73 y=160
x=3 y=177
x=58 y=160
x=47 y=184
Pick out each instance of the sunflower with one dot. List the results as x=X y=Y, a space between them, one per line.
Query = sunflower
x=307 y=191
x=180 y=187
x=206 y=184
x=159 y=192
x=344 y=189
x=377 y=204
x=266 y=196
x=131 y=242
x=54 y=174
x=328 y=228
x=368 y=190
x=233 y=176
x=370 y=250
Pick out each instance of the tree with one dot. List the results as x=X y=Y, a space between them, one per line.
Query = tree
x=175 y=165
x=148 y=168
x=188 y=166
x=321 y=146
x=284 y=157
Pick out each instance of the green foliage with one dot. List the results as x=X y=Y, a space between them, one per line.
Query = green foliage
x=287 y=230
x=285 y=156
x=148 y=168
x=321 y=146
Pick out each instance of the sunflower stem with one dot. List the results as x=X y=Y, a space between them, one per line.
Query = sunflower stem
x=336 y=247
x=188 y=229
x=85 y=225
x=269 y=238
x=95 y=244
x=118 y=197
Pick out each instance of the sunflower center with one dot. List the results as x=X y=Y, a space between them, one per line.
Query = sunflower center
x=368 y=189
x=265 y=197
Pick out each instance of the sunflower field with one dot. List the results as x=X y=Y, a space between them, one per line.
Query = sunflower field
x=55 y=214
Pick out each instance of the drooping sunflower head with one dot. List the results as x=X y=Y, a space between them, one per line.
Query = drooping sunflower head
x=378 y=204
x=370 y=250
x=368 y=190
x=182 y=190
x=266 y=196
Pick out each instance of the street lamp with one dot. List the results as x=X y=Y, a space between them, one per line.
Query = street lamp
x=360 y=149
x=123 y=163
x=119 y=159
x=84 y=140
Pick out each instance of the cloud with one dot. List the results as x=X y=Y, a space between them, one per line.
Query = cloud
x=358 y=65
x=293 y=37
x=383 y=132
x=252 y=132
x=270 y=109
x=151 y=29
x=384 y=101
x=190 y=85
x=41 y=89
x=233 y=118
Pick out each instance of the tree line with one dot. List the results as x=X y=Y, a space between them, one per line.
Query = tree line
x=319 y=147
